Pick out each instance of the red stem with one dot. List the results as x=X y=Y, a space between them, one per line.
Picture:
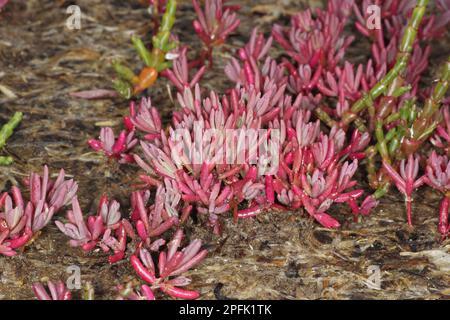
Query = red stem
x=443 y=217
x=408 y=202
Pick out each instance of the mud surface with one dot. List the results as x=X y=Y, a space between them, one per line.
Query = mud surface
x=275 y=256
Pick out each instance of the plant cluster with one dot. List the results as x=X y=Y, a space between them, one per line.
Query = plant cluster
x=214 y=24
x=331 y=116
x=372 y=112
x=20 y=220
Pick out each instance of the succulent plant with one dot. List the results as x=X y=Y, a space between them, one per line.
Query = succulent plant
x=171 y=264
x=57 y=290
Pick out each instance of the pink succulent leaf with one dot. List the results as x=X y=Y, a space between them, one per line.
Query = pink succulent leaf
x=326 y=220
x=215 y=23
x=368 y=204
x=438 y=172
x=57 y=290
x=110 y=213
x=398 y=180
x=112 y=147
x=179 y=74
x=94 y=94
x=3 y=3
x=41 y=217
x=146 y=119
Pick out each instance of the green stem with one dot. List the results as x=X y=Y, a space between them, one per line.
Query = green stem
x=5 y=132
x=381 y=145
x=359 y=123
x=370 y=165
x=324 y=117
x=8 y=128
x=403 y=56
x=88 y=292
x=161 y=39
x=425 y=123
x=154 y=58
x=6 y=160
x=381 y=191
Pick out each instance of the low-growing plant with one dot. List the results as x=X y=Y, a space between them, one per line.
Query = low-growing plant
x=291 y=133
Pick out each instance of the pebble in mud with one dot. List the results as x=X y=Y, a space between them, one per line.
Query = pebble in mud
x=291 y=270
x=322 y=236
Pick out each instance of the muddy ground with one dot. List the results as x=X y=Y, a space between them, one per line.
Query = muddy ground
x=275 y=256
